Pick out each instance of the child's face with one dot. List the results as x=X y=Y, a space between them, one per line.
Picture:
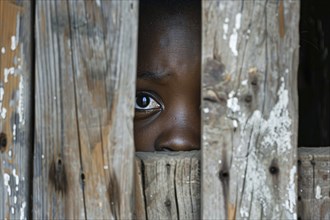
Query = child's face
x=167 y=107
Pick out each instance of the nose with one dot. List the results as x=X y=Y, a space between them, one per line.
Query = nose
x=178 y=140
x=180 y=134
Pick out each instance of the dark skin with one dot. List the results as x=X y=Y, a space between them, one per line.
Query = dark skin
x=167 y=107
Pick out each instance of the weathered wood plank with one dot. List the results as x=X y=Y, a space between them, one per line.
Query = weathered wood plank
x=84 y=153
x=169 y=185
x=314 y=183
x=249 y=109
x=15 y=108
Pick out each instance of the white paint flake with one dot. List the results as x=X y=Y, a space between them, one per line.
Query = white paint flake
x=9 y=153
x=225 y=31
x=232 y=104
x=238 y=21
x=234 y=36
x=98 y=3
x=290 y=204
x=3 y=113
x=206 y=110
x=13 y=43
x=244 y=82
x=105 y=167
x=233 y=43
x=14 y=132
x=6 y=179
x=3 y=50
x=22 y=217
x=16 y=177
x=235 y=124
x=21 y=101
x=8 y=71
x=12 y=210
x=318 y=192
x=2 y=92
x=15 y=199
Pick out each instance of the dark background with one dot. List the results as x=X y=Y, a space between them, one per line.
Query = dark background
x=313 y=75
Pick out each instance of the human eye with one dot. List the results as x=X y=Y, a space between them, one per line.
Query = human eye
x=146 y=102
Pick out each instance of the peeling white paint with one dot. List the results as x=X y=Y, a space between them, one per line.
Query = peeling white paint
x=22 y=217
x=9 y=153
x=42 y=156
x=225 y=31
x=3 y=113
x=235 y=124
x=318 y=192
x=105 y=167
x=238 y=21
x=232 y=104
x=16 y=177
x=7 y=71
x=14 y=132
x=244 y=82
x=3 y=50
x=15 y=199
x=21 y=101
x=206 y=110
x=290 y=204
x=6 y=179
x=98 y=3
x=12 y=210
x=13 y=43
x=234 y=36
x=233 y=42
x=2 y=92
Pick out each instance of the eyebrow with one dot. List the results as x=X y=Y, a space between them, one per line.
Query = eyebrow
x=153 y=76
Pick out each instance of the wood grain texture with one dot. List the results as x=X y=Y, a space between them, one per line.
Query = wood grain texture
x=314 y=183
x=15 y=109
x=168 y=185
x=249 y=109
x=86 y=66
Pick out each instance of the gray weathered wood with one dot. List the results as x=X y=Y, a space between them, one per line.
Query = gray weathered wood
x=85 y=72
x=249 y=109
x=314 y=183
x=15 y=108
x=168 y=185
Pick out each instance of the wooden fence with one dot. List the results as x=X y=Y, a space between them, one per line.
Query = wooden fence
x=66 y=101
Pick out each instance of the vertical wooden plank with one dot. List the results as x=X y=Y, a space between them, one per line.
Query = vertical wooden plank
x=249 y=109
x=314 y=183
x=15 y=108
x=169 y=185
x=86 y=64
x=104 y=44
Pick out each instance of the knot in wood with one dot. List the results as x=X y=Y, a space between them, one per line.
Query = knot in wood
x=3 y=141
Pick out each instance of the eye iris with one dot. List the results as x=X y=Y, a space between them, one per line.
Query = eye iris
x=143 y=101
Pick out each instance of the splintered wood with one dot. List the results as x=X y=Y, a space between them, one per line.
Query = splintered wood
x=85 y=72
x=314 y=183
x=15 y=109
x=167 y=185
x=249 y=109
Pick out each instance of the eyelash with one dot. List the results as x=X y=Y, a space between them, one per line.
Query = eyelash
x=147 y=99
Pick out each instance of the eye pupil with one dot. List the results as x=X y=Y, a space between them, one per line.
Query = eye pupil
x=143 y=101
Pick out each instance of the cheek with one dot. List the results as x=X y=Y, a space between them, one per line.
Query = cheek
x=144 y=136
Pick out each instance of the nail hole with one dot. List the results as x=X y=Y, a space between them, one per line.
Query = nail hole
x=82 y=176
x=59 y=161
x=223 y=175
x=248 y=98
x=3 y=141
x=167 y=203
x=168 y=165
x=299 y=162
x=274 y=170
x=299 y=198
